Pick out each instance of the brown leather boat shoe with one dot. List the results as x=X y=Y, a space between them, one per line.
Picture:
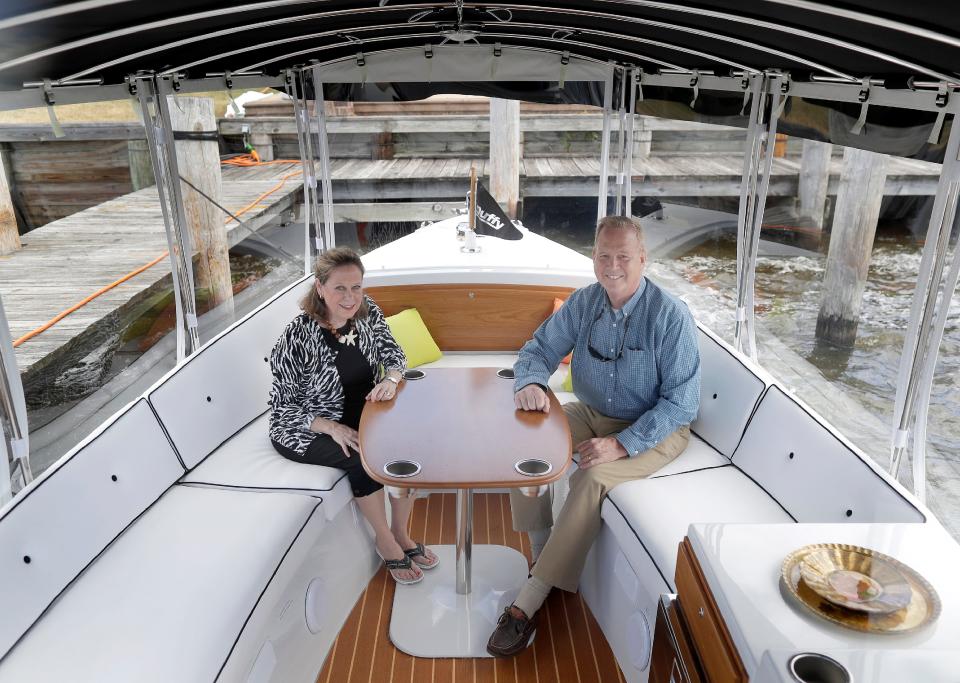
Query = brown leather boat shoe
x=511 y=634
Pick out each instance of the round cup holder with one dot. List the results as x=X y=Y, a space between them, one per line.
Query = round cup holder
x=811 y=667
x=414 y=374
x=505 y=373
x=401 y=469
x=532 y=467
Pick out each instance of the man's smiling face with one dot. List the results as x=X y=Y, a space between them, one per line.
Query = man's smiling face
x=619 y=259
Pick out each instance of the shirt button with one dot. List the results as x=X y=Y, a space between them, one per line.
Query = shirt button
x=609 y=399
x=614 y=324
x=611 y=349
x=611 y=374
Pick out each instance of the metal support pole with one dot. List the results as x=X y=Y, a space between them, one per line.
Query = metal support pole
x=464 y=539
x=326 y=179
x=310 y=223
x=757 y=163
x=311 y=163
x=631 y=120
x=15 y=472
x=621 y=141
x=163 y=154
x=928 y=316
x=605 y=146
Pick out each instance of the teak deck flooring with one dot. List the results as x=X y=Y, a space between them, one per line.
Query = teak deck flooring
x=568 y=647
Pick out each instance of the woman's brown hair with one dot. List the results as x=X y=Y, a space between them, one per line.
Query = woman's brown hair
x=327 y=262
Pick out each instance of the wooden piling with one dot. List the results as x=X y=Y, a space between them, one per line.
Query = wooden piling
x=505 y=153
x=141 y=167
x=199 y=163
x=9 y=233
x=263 y=144
x=851 y=244
x=813 y=182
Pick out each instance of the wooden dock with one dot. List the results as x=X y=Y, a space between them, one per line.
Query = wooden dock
x=68 y=259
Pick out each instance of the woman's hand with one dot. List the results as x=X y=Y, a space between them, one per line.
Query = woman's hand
x=346 y=436
x=384 y=391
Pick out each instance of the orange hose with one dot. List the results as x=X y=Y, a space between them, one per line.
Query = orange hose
x=103 y=290
x=63 y=314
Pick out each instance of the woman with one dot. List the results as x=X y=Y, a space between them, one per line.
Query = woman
x=325 y=366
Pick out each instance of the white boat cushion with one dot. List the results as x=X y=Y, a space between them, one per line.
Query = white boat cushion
x=248 y=461
x=815 y=475
x=65 y=519
x=729 y=392
x=652 y=515
x=698 y=455
x=169 y=599
x=225 y=384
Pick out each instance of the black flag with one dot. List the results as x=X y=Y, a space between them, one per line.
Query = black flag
x=491 y=220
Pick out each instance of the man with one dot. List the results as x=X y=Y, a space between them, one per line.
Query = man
x=636 y=373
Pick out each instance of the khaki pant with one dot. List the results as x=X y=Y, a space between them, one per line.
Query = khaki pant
x=577 y=526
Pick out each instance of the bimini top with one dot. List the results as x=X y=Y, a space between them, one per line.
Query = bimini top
x=111 y=39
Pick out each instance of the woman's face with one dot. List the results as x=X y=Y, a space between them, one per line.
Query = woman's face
x=342 y=292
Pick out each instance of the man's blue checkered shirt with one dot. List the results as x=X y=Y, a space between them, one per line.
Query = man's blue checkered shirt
x=654 y=382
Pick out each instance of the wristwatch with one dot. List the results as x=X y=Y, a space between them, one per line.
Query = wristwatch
x=392 y=379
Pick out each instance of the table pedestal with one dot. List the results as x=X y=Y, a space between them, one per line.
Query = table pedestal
x=430 y=619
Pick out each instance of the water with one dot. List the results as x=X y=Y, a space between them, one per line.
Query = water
x=788 y=296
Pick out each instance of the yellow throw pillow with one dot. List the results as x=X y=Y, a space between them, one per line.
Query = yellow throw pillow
x=413 y=337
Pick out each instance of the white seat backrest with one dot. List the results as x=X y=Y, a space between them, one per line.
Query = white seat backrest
x=811 y=472
x=729 y=392
x=226 y=384
x=64 y=520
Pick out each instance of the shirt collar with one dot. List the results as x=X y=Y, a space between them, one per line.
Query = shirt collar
x=628 y=307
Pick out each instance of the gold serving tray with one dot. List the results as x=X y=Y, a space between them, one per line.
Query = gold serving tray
x=870 y=612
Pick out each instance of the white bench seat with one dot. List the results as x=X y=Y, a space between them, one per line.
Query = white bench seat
x=652 y=515
x=170 y=598
x=249 y=462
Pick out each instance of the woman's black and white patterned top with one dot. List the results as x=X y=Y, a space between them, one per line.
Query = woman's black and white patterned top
x=305 y=378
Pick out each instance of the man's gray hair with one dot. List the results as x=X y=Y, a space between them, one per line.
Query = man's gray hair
x=621 y=223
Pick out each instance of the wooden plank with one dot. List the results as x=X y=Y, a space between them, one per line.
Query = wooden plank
x=433 y=522
x=20 y=132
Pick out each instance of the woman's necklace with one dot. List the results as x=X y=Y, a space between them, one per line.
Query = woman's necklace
x=349 y=337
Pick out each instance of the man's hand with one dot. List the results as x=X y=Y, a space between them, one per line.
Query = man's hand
x=532 y=397
x=600 y=450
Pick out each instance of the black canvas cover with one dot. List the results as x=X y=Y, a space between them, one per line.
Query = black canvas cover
x=57 y=39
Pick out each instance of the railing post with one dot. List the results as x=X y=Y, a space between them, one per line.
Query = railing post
x=152 y=93
x=605 y=145
x=326 y=178
x=311 y=229
x=15 y=464
x=928 y=316
x=757 y=163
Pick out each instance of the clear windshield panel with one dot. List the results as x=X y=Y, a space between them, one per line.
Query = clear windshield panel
x=88 y=295
x=94 y=257
x=686 y=187
x=243 y=198
x=397 y=164
x=832 y=320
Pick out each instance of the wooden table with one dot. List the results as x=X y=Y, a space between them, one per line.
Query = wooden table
x=460 y=426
